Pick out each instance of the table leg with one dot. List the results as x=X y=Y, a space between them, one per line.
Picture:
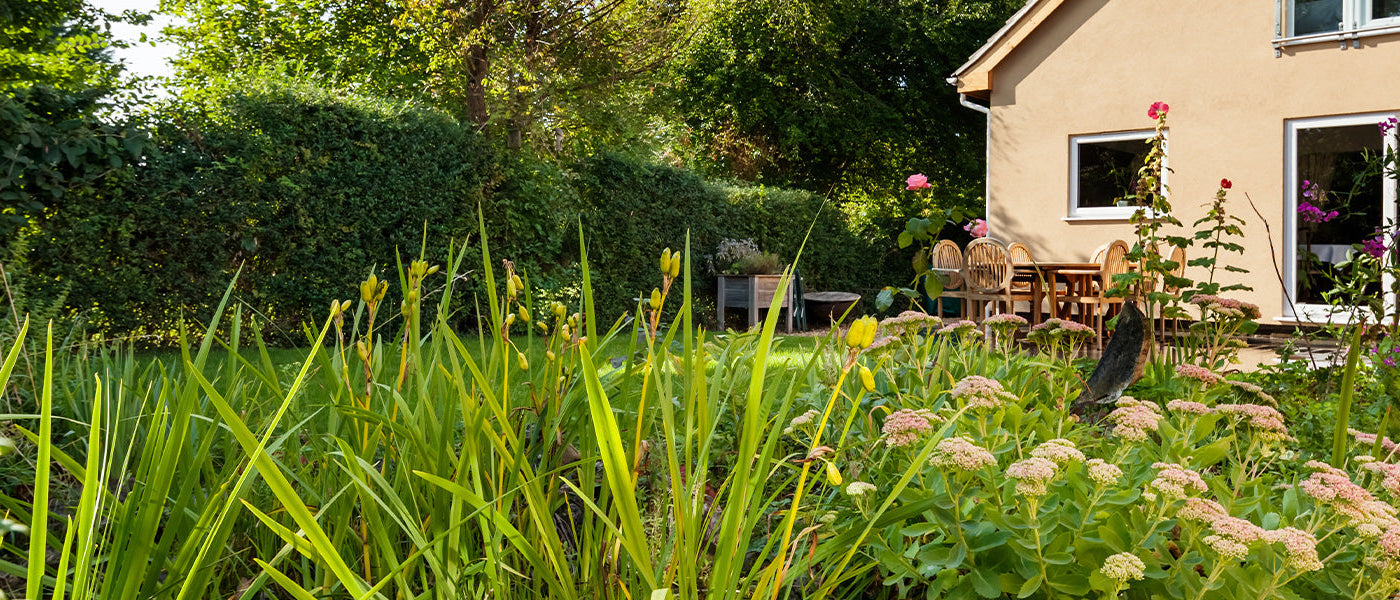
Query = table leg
x=1037 y=294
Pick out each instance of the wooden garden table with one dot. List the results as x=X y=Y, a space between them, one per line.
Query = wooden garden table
x=1049 y=275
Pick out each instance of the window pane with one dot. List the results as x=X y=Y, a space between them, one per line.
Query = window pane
x=1332 y=165
x=1316 y=16
x=1107 y=170
x=1385 y=9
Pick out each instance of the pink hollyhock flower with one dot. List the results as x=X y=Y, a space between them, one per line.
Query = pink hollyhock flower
x=1225 y=183
x=1158 y=110
x=976 y=227
x=917 y=181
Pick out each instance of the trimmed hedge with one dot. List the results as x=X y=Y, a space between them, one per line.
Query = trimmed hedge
x=306 y=190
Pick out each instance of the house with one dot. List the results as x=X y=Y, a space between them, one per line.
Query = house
x=1266 y=93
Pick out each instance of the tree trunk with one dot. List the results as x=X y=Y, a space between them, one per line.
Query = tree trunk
x=478 y=65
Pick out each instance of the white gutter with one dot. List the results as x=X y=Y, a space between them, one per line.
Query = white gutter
x=962 y=99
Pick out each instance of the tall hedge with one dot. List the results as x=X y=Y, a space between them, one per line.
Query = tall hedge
x=304 y=189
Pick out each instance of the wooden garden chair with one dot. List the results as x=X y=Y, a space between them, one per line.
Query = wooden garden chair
x=947 y=260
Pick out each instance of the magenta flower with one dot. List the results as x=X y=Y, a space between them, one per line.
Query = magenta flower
x=1387 y=125
x=976 y=227
x=1374 y=246
x=1313 y=214
x=1158 y=110
x=917 y=181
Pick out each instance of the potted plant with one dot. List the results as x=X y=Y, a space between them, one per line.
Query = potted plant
x=748 y=278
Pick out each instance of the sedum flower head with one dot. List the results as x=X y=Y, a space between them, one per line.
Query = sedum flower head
x=1265 y=420
x=1201 y=510
x=961 y=454
x=1059 y=451
x=910 y=322
x=859 y=488
x=1031 y=475
x=1103 y=473
x=1175 y=481
x=1187 y=407
x=1198 y=373
x=904 y=426
x=981 y=393
x=1134 y=418
x=1123 y=567
x=1299 y=548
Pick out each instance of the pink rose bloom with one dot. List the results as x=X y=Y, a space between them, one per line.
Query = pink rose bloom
x=917 y=181
x=976 y=227
x=1157 y=110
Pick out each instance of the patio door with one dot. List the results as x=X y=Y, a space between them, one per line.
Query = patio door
x=1332 y=202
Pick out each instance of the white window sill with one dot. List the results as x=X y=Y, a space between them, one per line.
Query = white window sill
x=1350 y=37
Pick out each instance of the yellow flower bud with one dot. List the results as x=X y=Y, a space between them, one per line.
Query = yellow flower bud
x=519 y=286
x=871 y=326
x=558 y=309
x=833 y=475
x=666 y=261
x=524 y=314
x=367 y=289
x=413 y=297
x=433 y=269
x=544 y=329
x=383 y=288
x=510 y=319
x=867 y=379
x=510 y=287
x=405 y=308
x=655 y=299
x=854 y=335
x=520 y=360
x=566 y=331
x=675 y=265
x=550 y=355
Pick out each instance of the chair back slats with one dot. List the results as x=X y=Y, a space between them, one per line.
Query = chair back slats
x=1020 y=254
x=948 y=259
x=1114 y=261
x=987 y=266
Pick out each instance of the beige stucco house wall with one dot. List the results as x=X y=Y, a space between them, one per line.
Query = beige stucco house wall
x=1074 y=67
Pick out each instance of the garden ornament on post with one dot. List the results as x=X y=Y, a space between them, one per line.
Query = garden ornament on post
x=1121 y=363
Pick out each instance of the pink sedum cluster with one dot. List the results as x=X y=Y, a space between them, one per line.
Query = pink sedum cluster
x=1198 y=373
x=1133 y=418
x=1103 y=473
x=910 y=322
x=1229 y=307
x=1059 y=451
x=1299 y=548
x=1174 y=481
x=981 y=393
x=1032 y=475
x=1390 y=474
x=962 y=454
x=962 y=329
x=1201 y=510
x=904 y=426
x=1332 y=487
x=1266 y=420
x=1369 y=439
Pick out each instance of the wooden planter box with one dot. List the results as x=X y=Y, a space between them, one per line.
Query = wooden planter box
x=752 y=292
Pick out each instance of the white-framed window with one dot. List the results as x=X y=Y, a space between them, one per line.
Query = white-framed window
x=1313 y=17
x=1103 y=168
x=1342 y=205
